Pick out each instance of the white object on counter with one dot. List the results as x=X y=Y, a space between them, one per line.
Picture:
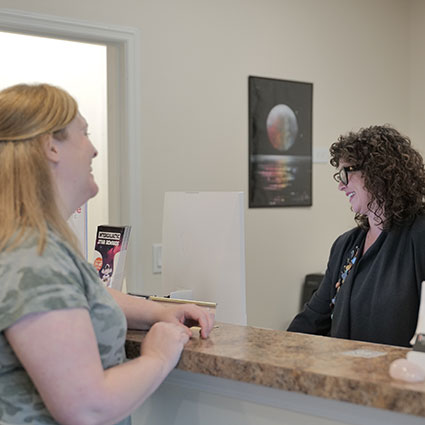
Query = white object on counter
x=420 y=327
x=406 y=370
x=417 y=357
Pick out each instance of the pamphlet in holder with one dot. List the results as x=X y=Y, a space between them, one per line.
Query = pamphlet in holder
x=203 y=250
x=417 y=355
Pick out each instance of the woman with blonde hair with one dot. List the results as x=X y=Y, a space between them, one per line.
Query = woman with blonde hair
x=62 y=333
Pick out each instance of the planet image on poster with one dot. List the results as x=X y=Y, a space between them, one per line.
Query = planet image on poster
x=282 y=127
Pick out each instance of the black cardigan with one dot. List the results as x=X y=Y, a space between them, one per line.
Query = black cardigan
x=379 y=300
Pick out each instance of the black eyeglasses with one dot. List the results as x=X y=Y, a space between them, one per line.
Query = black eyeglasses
x=342 y=174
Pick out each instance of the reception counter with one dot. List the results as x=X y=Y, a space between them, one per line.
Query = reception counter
x=242 y=374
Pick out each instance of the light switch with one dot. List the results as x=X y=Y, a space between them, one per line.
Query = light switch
x=156 y=258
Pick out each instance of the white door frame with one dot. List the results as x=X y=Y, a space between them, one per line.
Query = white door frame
x=124 y=152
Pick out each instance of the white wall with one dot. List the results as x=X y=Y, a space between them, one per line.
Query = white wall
x=196 y=58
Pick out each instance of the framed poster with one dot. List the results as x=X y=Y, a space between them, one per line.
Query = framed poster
x=280 y=142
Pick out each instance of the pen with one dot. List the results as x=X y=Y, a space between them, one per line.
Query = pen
x=180 y=301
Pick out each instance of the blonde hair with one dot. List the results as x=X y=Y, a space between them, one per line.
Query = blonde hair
x=28 y=115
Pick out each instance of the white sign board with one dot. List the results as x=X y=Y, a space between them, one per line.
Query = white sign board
x=203 y=249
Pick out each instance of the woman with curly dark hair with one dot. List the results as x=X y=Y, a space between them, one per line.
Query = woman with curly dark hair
x=371 y=289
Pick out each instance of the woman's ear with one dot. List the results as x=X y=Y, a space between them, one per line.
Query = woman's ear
x=51 y=148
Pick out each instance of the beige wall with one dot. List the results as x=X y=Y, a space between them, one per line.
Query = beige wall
x=196 y=58
x=417 y=72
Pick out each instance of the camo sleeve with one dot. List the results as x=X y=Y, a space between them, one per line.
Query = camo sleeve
x=58 y=279
x=31 y=283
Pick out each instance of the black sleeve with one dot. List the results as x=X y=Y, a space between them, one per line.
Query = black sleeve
x=316 y=316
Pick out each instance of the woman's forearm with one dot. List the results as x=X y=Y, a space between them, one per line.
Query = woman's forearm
x=59 y=351
x=140 y=313
x=123 y=389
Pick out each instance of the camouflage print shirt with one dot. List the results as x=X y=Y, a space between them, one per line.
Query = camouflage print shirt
x=58 y=279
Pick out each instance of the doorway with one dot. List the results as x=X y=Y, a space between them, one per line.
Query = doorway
x=80 y=69
x=123 y=112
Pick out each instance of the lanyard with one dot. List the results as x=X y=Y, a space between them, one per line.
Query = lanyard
x=348 y=265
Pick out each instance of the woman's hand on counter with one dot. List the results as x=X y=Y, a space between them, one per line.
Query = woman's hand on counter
x=190 y=315
x=165 y=341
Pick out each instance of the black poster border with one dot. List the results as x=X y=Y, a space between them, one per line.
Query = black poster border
x=280 y=142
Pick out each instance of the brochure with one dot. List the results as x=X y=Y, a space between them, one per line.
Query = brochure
x=110 y=252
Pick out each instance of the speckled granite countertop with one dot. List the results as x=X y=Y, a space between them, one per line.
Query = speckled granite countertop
x=337 y=369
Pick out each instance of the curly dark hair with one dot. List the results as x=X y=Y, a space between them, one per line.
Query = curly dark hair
x=392 y=169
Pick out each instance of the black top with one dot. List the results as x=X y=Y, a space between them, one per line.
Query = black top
x=379 y=299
